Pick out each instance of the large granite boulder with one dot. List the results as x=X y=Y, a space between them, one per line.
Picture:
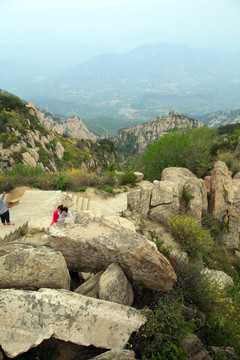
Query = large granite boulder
x=163 y=198
x=115 y=287
x=195 y=187
x=116 y=354
x=92 y=244
x=139 y=200
x=233 y=218
x=29 y=267
x=221 y=191
x=225 y=202
x=29 y=317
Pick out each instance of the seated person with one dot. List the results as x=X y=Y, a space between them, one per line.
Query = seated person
x=65 y=213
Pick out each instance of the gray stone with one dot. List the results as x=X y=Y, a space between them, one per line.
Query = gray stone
x=90 y=287
x=161 y=213
x=140 y=200
x=116 y=354
x=32 y=268
x=29 y=317
x=219 y=278
x=195 y=348
x=221 y=191
x=139 y=176
x=115 y=287
x=92 y=244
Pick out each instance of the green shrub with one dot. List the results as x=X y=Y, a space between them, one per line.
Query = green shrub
x=25 y=170
x=81 y=189
x=128 y=178
x=114 y=167
x=192 y=237
x=230 y=160
x=37 y=185
x=170 y=351
x=221 y=307
x=165 y=250
x=186 y=195
x=190 y=149
x=163 y=331
x=62 y=182
x=108 y=188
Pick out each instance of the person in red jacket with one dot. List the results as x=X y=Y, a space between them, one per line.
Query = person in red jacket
x=56 y=214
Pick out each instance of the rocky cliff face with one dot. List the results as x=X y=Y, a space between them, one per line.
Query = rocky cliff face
x=73 y=126
x=137 y=139
x=221 y=118
x=24 y=140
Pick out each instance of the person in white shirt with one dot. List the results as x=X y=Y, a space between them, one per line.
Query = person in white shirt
x=65 y=213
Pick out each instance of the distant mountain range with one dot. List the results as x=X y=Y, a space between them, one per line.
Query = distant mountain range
x=221 y=118
x=139 y=85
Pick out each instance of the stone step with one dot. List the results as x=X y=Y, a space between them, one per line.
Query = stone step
x=75 y=199
x=84 y=204
x=79 y=203
x=10 y=232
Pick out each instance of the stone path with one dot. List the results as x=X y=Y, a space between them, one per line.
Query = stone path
x=36 y=206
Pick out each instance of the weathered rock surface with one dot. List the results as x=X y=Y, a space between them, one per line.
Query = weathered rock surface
x=221 y=191
x=116 y=354
x=162 y=199
x=29 y=317
x=225 y=202
x=27 y=267
x=195 y=187
x=195 y=348
x=73 y=126
x=219 y=278
x=120 y=221
x=115 y=287
x=139 y=176
x=90 y=287
x=91 y=245
x=139 y=200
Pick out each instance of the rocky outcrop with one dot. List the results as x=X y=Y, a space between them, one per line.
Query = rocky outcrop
x=224 y=203
x=115 y=287
x=73 y=126
x=29 y=317
x=92 y=244
x=111 y=285
x=221 y=191
x=219 y=278
x=28 y=150
x=28 y=267
x=140 y=137
x=116 y=354
x=163 y=198
x=195 y=348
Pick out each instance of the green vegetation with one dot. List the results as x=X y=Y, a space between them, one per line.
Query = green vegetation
x=128 y=178
x=191 y=149
x=161 y=336
x=190 y=235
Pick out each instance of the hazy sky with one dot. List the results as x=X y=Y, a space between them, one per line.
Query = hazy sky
x=96 y=26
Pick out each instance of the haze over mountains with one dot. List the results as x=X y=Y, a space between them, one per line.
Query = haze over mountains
x=116 y=91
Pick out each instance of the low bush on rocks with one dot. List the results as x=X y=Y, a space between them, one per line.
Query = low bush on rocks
x=160 y=338
x=190 y=235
